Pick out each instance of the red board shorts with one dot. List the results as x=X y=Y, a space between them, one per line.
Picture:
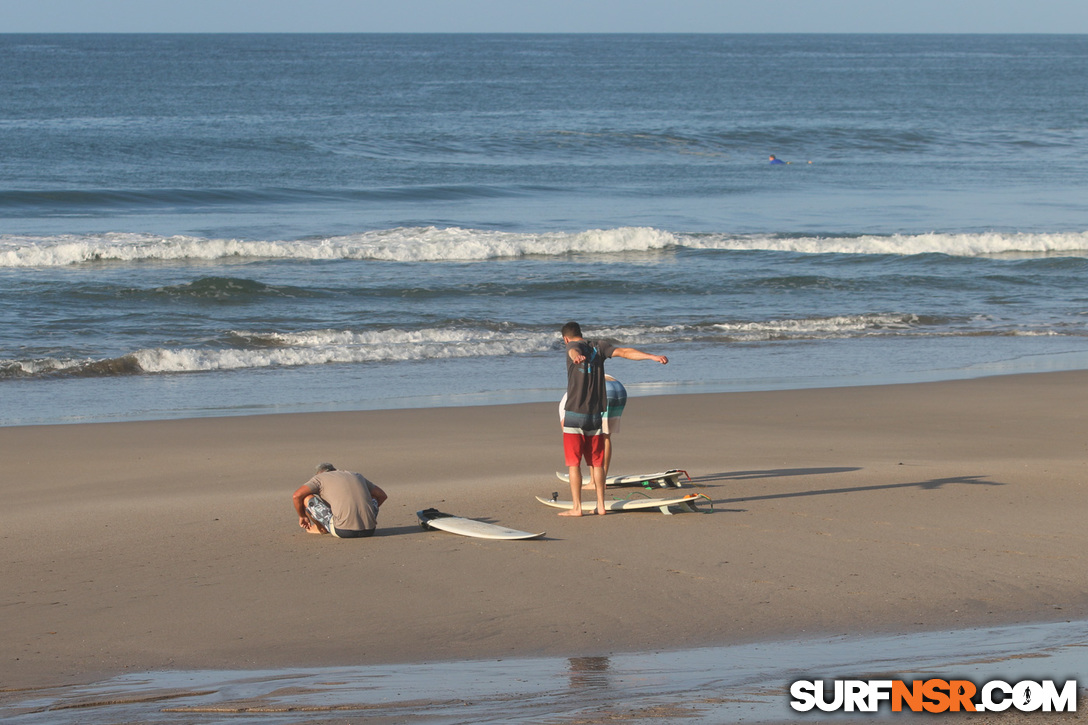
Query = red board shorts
x=578 y=446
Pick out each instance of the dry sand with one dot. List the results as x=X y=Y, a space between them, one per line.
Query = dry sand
x=143 y=546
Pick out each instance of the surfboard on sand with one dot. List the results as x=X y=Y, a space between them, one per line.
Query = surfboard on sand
x=662 y=479
x=435 y=519
x=664 y=505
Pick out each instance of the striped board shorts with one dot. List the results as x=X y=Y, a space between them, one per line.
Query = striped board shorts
x=610 y=420
x=617 y=401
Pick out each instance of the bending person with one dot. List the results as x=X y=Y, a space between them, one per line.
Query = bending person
x=342 y=503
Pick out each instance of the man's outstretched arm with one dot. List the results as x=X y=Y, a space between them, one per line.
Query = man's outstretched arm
x=631 y=353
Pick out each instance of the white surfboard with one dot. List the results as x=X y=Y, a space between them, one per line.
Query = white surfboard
x=664 y=505
x=662 y=479
x=435 y=519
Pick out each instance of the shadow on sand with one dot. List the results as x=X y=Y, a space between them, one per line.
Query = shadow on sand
x=933 y=484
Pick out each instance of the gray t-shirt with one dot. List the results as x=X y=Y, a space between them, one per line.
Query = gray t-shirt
x=348 y=495
x=585 y=380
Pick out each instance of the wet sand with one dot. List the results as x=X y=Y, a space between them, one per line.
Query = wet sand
x=172 y=545
x=739 y=683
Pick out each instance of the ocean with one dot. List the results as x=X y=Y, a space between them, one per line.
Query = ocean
x=211 y=225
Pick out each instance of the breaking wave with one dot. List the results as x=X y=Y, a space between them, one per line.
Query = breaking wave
x=433 y=244
x=241 y=349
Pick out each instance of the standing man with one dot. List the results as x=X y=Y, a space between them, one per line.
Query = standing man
x=341 y=503
x=616 y=396
x=586 y=403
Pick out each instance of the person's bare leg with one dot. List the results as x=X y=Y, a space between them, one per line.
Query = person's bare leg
x=597 y=475
x=607 y=461
x=575 y=492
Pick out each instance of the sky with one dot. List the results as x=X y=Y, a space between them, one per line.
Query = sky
x=544 y=16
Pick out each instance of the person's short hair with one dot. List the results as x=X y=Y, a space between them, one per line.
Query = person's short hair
x=322 y=467
x=572 y=329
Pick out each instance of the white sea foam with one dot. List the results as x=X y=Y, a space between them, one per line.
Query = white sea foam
x=36 y=366
x=320 y=347
x=958 y=245
x=817 y=327
x=432 y=244
x=256 y=349
x=417 y=244
x=316 y=347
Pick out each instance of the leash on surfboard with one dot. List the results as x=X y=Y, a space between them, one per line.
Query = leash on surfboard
x=628 y=496
x=708 y=500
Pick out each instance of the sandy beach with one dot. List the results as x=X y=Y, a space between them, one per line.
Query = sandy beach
x=906 y=508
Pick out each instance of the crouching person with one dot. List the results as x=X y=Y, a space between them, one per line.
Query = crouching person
x=341 y=503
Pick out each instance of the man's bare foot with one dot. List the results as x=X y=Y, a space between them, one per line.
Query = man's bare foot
x=571 y=512
x=600 y=511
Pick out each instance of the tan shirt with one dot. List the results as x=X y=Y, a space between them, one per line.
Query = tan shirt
x=348 y=495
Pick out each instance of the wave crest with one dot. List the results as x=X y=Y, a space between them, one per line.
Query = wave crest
x=414 y=244
x=433 y=244
x=241 y=349
x=955 y=245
